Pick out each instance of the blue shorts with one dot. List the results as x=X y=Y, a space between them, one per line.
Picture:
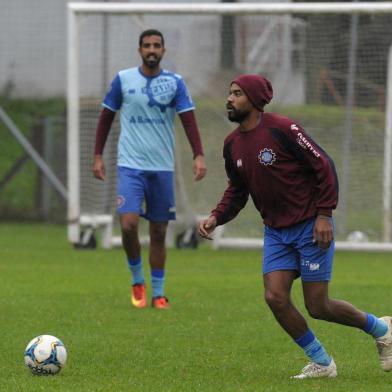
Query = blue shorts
x=154 y=188
x=292 y=248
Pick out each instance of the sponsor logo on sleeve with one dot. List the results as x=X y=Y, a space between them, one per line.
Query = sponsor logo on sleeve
x=305 y=143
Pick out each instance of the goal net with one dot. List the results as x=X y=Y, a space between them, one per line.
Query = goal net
x=328 y=64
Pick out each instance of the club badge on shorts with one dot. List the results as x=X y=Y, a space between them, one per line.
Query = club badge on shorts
x=120 y=201
x=267 y=156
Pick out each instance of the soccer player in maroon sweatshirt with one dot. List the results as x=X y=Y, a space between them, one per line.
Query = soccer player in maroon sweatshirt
x=293 y=184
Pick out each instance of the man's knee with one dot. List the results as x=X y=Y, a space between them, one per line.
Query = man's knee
x=158 y=233
x=129 y=225
x=317 y=300
x=276 y=301
x=317 y=309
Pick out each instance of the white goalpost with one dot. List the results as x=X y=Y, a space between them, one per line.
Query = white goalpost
x=331 y=68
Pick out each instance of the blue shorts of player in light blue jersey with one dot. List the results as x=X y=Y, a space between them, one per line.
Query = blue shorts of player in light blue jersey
x=155 y=188
x=292 y=248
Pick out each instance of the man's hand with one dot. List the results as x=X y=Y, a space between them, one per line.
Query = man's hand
x=206 y=227
x=99 y=167
x=199 y=168
x=323 y=231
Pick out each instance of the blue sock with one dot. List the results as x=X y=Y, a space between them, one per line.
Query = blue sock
x=375 y=326
x=157 y=282
x=136 y=268
x=313 y=348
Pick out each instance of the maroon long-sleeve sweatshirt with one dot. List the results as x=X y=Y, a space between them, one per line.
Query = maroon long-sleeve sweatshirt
x=289 y=177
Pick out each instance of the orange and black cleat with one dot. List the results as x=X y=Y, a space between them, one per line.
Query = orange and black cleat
x=138 y=295
x=160 y=303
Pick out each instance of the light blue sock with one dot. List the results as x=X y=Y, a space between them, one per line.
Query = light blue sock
x=375 y=326
x=313 y=348
x=157 y=282
x=136 y=268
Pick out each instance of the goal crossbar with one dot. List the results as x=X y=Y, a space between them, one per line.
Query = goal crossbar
x=231 y=8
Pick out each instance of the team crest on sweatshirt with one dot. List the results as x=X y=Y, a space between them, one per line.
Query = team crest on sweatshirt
x=267 y=156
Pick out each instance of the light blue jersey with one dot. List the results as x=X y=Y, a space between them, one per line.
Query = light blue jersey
x=147 y=108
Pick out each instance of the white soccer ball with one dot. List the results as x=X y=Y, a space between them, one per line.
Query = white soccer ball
x=357 y=237
x=45 y=354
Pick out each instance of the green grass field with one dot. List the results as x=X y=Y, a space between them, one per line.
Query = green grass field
x=218 y=336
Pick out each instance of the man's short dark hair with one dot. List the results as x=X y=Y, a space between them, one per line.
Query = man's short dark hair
x=148 y=33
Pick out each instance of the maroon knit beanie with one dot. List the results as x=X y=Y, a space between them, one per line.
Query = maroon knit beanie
x=257 y=88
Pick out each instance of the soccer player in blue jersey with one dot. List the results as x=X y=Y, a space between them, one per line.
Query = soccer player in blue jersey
x=293 y=184
x=148 y=97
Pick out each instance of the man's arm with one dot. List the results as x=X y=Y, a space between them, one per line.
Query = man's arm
x=103 y=128
x=236 y=194
x=189 y=124
x=313 y=156
x=233 y=200
x=327 y=183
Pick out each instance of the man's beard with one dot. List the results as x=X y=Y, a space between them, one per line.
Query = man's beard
x=238 y=116
x=151 y=61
